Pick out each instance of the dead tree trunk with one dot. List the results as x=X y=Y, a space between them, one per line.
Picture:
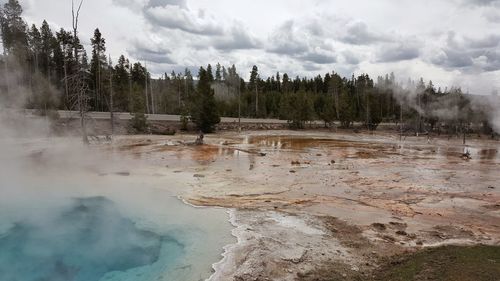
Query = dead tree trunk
x=80 y=87
x=66 y=89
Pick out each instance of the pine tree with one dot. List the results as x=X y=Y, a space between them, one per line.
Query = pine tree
x=210 y=74
x=253 y=85
x=137 y=99
x=297 y=108
x=224 y=73
x=46 y=49
x=121 y=85
x=97 y=66
x=65 y=43
x=346 y=104
x=325 y=108
x=35 y=43
x=203 y=106
x=218 y=75
x=13 y=26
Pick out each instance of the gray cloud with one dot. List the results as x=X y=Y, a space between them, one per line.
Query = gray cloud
x=492 y=61
x=236 y=39
x=453 y=59
x=173 y=14
x=131 y=4
x=177 y=17
x=163 y=3
x=311 y=67
x=315 y=28
x=469 y=54
x=150 y=54
x=481 y=2
x=284 y=40
x=492 y=15
x=490 y=41
x=350 y=57
x=398 y=52
x=357 y=33
x=301 y=42
x=136 y=5
x=319 y=58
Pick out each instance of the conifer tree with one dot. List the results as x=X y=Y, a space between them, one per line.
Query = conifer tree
x=203 y=106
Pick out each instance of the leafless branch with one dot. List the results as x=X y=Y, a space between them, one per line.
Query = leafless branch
x=75 y=19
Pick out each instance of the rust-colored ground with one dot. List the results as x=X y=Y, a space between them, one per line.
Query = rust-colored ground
x=368 y=195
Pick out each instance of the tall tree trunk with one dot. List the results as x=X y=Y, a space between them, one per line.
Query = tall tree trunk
x=256 y=100
x=77 y=65
x=6 y=67
x=98 y=81
x=419 y=115
x=179 y=90
x=152 y=97
x=111 y=108
x=146 y=94
x=337 y=97
x=48 y=68
x=401 y=121
x=66 y=81
x=239 y=105
x=367 y=111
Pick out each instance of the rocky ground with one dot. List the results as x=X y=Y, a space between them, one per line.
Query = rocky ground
x=313 y=205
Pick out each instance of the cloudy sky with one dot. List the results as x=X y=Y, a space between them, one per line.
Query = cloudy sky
x=452 y=42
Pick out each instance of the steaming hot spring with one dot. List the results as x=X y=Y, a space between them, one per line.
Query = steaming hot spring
x=69 y=221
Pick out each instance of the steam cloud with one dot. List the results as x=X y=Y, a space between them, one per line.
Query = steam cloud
x=447 y=108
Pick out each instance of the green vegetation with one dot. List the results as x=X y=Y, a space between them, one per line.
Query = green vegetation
x=203 y=107
x=446 y=263
x=296 y=108
x=139 y=123
x=450 y=263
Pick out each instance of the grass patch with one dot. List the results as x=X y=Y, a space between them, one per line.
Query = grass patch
x=448 y=263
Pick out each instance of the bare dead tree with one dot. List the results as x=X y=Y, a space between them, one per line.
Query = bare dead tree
x=75 y=18
x=79 y=98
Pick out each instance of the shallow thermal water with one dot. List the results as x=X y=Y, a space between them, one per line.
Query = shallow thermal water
x=105 y=228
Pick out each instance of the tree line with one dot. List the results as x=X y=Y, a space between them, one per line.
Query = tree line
x=40 y=64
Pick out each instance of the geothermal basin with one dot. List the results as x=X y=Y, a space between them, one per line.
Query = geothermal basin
x=304 y=205
x=100 y=223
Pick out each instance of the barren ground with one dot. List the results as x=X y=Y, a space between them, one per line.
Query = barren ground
x=305 y=203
